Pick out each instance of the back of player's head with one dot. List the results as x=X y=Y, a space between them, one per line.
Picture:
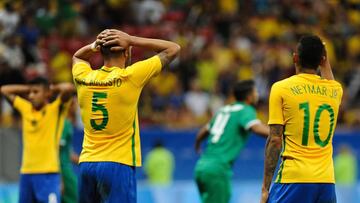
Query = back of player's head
x=311 y=51
x=39 y=81
x=158 y=143
x=107 y=53
x=242 y=89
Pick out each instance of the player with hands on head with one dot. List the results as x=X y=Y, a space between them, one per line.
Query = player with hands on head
x=303 y=111
x=108 y=99
x=42 y=121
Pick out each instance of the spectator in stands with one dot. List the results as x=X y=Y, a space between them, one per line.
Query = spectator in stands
x=243 y=39
x=9 y=18
x=159 y=165
x=345 y=164
x=60 y=65
x=13 y=51
x=197 y=100
x=150 y=11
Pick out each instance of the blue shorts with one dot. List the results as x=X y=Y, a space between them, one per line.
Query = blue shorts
x=107 y=182
x=40 y=188
x=302 y=193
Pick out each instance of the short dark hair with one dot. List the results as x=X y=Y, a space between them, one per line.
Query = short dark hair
x=158 y=143
x=310 y=50
x=242 y=89
x=107 y=53
x=39 y=81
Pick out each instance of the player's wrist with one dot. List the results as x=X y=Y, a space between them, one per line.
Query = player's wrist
x=93 y=47
x=132 y=40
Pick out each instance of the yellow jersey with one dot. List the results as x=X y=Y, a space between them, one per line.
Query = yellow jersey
x=108 y=99
x=41 y=135
x=308 y=107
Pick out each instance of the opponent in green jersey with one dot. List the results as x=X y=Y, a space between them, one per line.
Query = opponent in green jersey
x=227 y=134
x=67 y=157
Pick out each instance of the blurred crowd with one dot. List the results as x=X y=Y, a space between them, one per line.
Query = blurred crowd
x=222 y=41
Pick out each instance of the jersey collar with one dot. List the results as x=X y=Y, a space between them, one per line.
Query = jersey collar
x=240 y=102
x=108 y=69
x=309 y=75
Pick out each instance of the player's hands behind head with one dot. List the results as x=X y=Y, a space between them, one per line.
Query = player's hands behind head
x=117 y=39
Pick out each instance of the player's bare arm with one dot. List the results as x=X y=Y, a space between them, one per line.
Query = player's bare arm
x=74 y=157
x=167 y=50
x=10 y=91
x=325 y=69
x=272 y=152
x=84 y=54
x=202 y=134
x=261 y=129
x=64 y=90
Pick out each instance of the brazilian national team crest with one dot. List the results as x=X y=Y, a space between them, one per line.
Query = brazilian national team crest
x=33 y=122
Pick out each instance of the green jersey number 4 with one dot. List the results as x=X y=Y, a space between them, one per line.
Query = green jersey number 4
x=99 y=107
x=219 y=125
x=305 y=135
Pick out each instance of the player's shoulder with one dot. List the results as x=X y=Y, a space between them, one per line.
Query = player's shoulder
x=54 y=103
x=81 y=64
x=19 y=101
x=237 y=107
x=80 y=68
x=333 y=82
x=284 y=83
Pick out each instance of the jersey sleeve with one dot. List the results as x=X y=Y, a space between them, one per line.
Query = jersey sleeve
x=62 y=106
x=276 y=115
x=248 y=118
x=22 y=105
x=80 y=70
x=141 y=72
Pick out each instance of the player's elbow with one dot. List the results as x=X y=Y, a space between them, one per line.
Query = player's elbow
x=68 y=87
x=174 y=50
x=75 y=58
x=4 y=90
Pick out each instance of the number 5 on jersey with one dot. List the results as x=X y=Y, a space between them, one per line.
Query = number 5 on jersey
x=99 y=107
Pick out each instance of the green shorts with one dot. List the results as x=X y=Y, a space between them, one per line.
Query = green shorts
x=69 y=181
x=214 y=185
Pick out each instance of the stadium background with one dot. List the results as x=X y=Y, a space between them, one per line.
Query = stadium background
x=222 y=41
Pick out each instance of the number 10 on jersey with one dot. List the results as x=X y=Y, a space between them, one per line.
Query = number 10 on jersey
x=305 y=135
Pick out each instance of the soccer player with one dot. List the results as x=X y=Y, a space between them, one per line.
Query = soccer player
x=303 y=110
x=41 y=126
x=108 y=99
x=67 y=158
x=227 y=133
